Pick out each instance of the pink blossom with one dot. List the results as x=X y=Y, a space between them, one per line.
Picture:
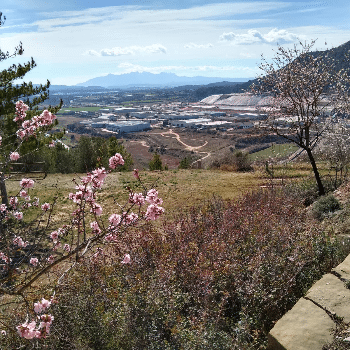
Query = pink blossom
x=130 y=218
x=13 y=201
x=137 y=198
x=3 y=332
x=152 y=197
x=4 y=257
x=54 y=236
x=116 y=160
x=18 y=215
x=111 y=238
x=45 y=324
x=14 y=156
x=95 y=228
x=19 y=242
x=26 y=183
x=96 y=209
x=45 y=207
x=34 y=261
x=50 y=259
x=126 y=259
x=42 y=305
x=21 y=109
x=0 y=140
x=66 y=247
x=28 y=331
x=99 y=174
x=23 y=193
x=115 y=219
x=136 y=174
x=52 y=144
x=3 y=208
x=153 y=212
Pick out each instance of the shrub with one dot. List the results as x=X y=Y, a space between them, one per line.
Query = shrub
x=237 y=161
x=185 y=163
x=325 y=206
x=155 y=163
x=215 y=277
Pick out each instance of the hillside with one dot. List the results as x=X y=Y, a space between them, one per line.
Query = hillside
x=145 y=79
x=338 y=54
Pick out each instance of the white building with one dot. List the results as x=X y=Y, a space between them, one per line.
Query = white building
x=128 y=126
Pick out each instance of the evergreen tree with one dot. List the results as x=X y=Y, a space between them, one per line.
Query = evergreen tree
x=155 y=163
x=115 y=146
x=10 y=93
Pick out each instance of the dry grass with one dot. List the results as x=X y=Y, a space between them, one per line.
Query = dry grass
x=178 y=188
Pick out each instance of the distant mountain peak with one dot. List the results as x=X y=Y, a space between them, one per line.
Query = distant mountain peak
x=144 y=79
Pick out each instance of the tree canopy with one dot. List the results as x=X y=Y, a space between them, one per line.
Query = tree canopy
x=305 y=91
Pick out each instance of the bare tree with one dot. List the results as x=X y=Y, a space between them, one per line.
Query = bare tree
x=305 y=89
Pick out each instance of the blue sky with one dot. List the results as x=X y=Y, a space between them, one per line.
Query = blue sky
x=73 y=41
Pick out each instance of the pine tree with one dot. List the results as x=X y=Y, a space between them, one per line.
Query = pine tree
x=156 y=162
x=10 y=93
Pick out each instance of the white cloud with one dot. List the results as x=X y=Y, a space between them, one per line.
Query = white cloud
x=198 y=46
x=254 y=37
x=129 y=50
x=130 y=67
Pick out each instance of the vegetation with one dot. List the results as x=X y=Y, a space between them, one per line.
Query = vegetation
x=156 y=162
x=237 y=161
x=325 y=205
x=185 y=163
x=215 y=275
x=89 y=153
x=298 y=82
x=212 y=278
x=10 y=92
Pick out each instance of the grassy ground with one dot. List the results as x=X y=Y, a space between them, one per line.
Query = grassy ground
x=275 y=151
x=79 y=109
x=178 y=188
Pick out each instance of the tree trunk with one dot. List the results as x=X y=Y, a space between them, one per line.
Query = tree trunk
x=3 y=190
x=321 y=190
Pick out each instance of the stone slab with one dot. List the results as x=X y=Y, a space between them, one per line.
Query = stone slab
x=343 y=269
x=304 y=327
x=331 y=293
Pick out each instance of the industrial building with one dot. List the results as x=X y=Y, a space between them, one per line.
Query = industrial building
x=125 y=126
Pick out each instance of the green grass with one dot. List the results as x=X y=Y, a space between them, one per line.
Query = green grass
x=79 y=109
x=275 y=151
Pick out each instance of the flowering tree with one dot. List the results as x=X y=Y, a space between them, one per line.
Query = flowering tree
x=335 y=147
x=305 y=87
x=31 y=249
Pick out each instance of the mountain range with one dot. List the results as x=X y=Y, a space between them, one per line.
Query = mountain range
x=145 y=79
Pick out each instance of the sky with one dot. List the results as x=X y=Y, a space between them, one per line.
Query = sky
x=75 y=40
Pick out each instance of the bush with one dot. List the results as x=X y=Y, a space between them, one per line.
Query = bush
x=215 y=277
x=155 y=163
x=185 y=163
x=325 y=206
x=238 y=161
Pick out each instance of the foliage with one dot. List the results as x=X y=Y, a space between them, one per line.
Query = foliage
x=155 y=163
x=35 y=254
x=90 y=153
x=238 y=161
x=325 y=205
x=215 y=277
x=302 y=88
x=335 y=148
x=185 y=163
x=30 y=124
